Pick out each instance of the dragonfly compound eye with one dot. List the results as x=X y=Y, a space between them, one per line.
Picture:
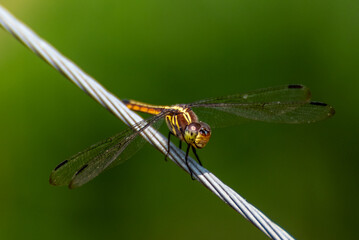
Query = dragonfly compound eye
x=204 y=132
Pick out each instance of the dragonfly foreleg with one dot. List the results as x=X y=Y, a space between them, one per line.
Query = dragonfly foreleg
x=195 y=153
x=189 y=169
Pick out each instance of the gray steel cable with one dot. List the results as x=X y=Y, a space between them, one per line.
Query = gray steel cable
x=114 y=105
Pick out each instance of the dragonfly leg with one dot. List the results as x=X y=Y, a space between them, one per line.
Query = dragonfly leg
x=195 y=153
x=180 y=145
x=168 y=144
x=189 y=169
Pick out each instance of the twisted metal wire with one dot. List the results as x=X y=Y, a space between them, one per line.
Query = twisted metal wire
x=89 y=85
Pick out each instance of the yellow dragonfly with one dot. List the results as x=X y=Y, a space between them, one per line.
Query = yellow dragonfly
x=284 y=104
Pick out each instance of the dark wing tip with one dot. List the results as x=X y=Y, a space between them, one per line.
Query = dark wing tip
x=60 y=165
x=73 y=184
x=81 y=169
x=52 y=179
x=331 y=110
x=301 y=88
x=319 y=104
x=295 y=86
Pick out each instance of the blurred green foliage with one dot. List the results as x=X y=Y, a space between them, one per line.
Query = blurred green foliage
x=304 y=177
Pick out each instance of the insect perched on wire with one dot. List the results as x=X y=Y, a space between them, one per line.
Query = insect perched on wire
x=284 y=104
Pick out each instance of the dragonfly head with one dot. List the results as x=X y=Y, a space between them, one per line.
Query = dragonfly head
x=197 y=134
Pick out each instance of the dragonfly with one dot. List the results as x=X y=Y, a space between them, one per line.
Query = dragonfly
x=283 y=104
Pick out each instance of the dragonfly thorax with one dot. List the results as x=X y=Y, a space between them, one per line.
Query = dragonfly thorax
x=184 y=124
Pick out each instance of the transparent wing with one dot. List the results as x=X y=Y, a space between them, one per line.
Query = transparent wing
x=86 y=165
x=284 y=104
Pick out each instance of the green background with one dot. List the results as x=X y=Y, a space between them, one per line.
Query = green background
x=304 y=177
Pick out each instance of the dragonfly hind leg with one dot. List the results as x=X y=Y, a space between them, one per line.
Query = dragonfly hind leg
x=197 y=158
x=168 y=144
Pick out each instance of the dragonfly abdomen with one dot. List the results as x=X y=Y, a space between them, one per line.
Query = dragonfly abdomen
x=143 y=107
